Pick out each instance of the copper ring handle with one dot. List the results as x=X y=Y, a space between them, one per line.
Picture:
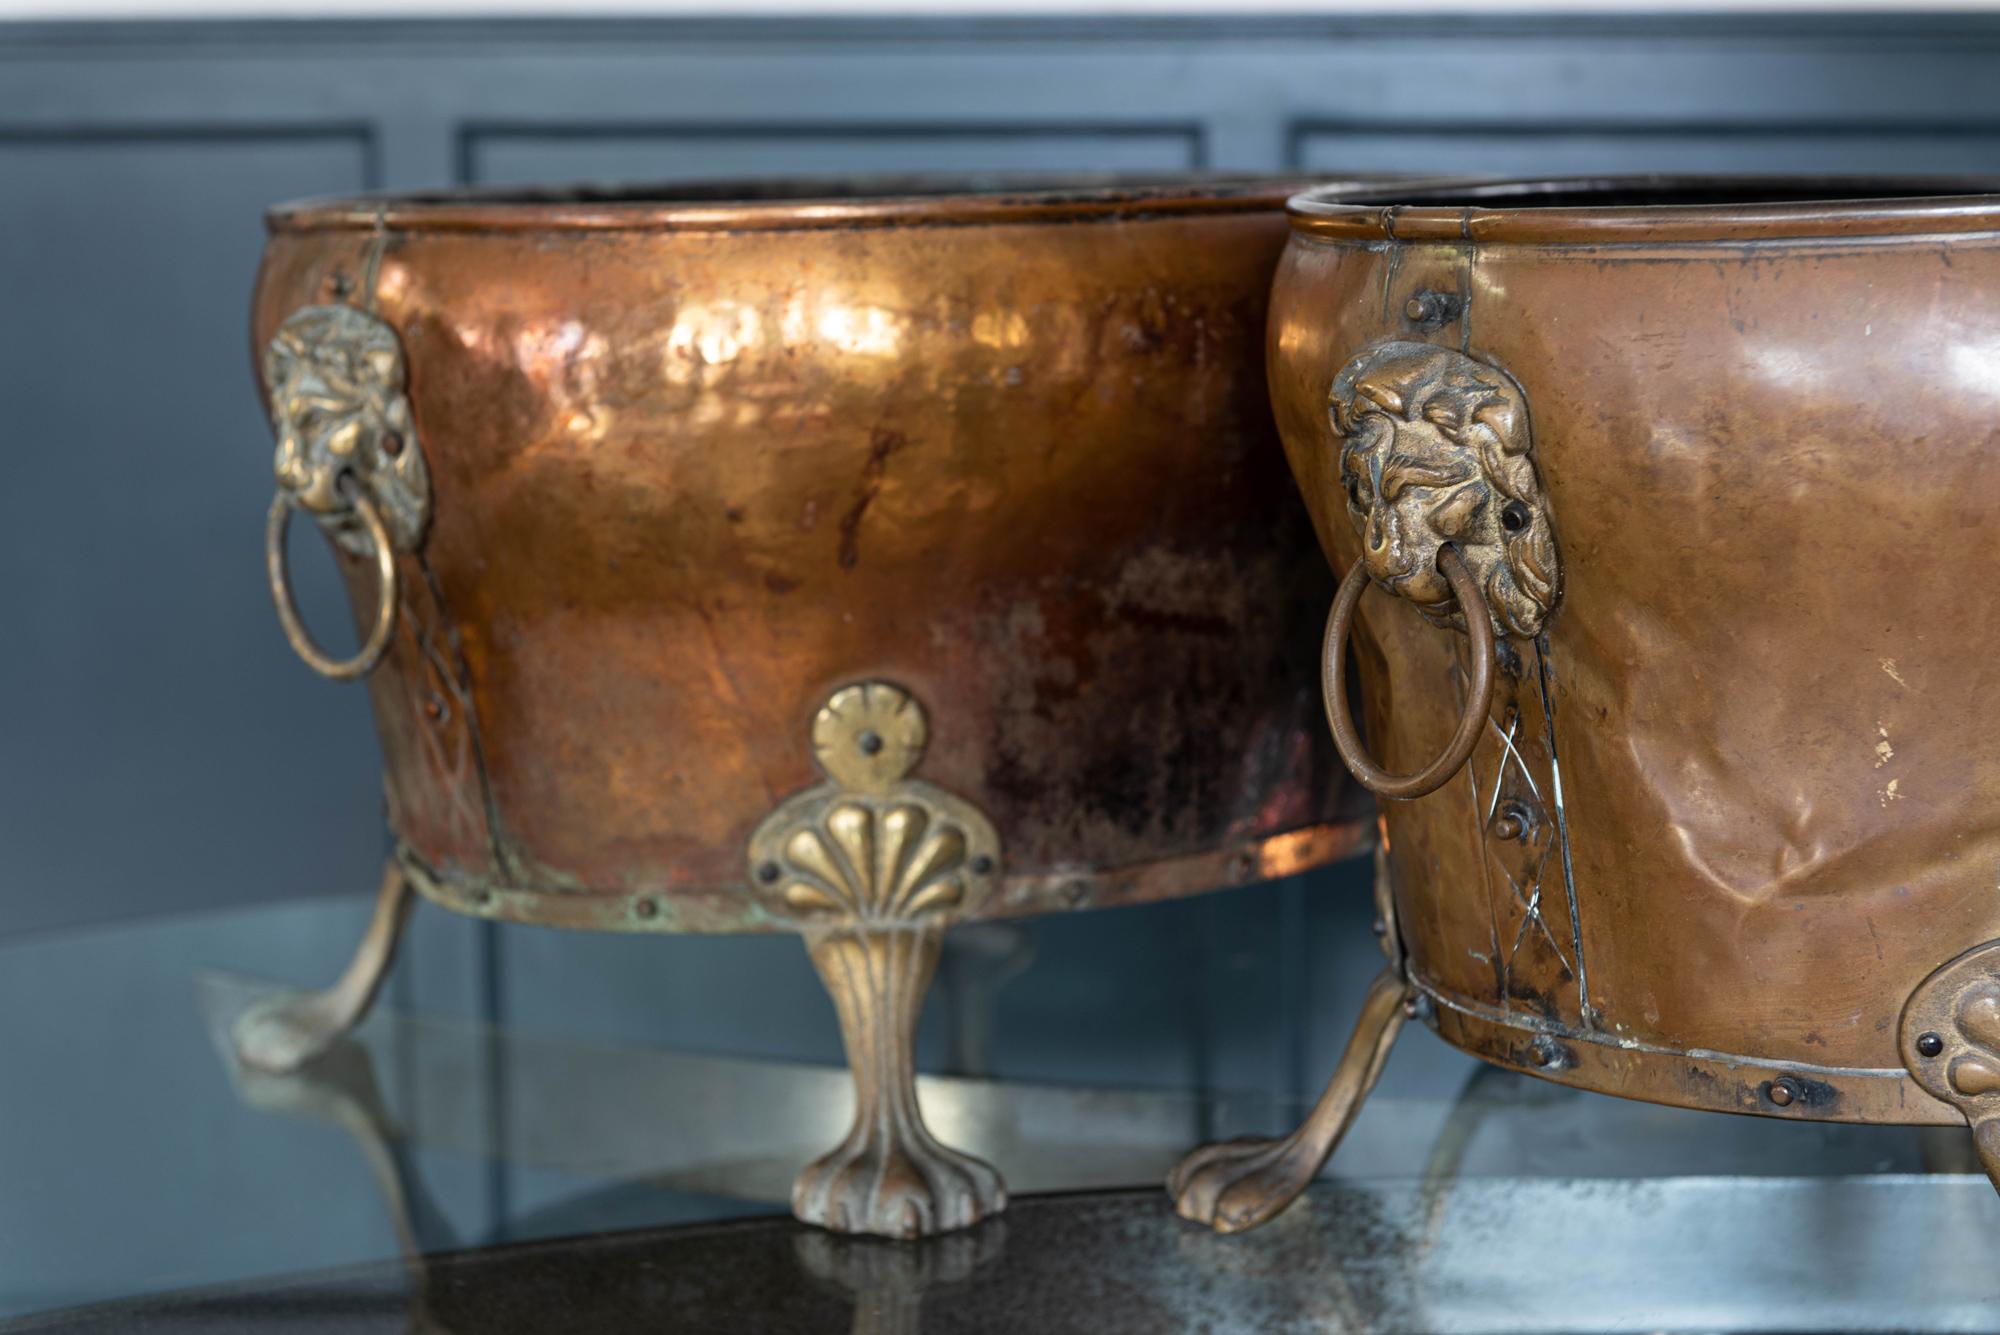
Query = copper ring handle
x=370 y=653
x=1471 y=721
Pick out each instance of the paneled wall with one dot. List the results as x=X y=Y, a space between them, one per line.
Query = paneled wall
x=159 y=747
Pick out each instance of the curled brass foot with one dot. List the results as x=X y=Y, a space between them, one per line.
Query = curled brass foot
x=890 y=1176
x=284 y=1033
x=1240 y=1184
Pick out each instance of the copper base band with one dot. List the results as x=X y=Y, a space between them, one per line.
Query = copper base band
x=1713 y=1081
x=732 y=908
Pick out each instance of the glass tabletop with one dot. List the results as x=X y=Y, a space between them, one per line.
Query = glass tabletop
x=518 y=1085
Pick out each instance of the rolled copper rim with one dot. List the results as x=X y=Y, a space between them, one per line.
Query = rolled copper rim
x=1633 y=209
x=804 y=204
x=1478 y=695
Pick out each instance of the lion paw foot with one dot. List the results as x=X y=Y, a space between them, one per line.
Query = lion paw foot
x=281 y=1034
x=1239 y=1184
x=897 y=1190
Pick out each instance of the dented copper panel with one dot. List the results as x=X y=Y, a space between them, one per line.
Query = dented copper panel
x=1734 y=804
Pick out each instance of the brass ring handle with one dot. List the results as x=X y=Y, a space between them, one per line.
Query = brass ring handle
x=370 y=653
x=1333 y=683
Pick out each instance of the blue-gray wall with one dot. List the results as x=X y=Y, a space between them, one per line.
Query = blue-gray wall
x=159 y=746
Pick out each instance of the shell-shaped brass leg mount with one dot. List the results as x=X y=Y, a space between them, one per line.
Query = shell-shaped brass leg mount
x=871 y=866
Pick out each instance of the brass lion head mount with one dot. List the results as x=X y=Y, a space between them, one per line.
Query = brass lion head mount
x=1435 y=448
x=342 y=420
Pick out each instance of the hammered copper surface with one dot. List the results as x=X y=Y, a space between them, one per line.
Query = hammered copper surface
x=1736 y=803
x=696 y=465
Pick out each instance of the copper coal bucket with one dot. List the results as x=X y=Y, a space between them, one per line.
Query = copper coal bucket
x=1666 y=511
x=849 y=561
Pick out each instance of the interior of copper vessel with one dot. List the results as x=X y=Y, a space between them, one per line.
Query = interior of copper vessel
x=1710 y=192
x=1108 y=187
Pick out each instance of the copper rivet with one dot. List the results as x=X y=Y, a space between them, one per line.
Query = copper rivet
x=1929 y=1044
x=392 y=444
x=1782 y=1092
x=433 y=708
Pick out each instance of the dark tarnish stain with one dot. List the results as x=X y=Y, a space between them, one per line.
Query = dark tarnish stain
x=1526 y=998
x=777 y=583
x=1154 y=618
x=1816 y=1095
x=882 y=443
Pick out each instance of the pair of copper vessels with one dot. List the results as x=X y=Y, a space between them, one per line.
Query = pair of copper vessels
x=858 y=561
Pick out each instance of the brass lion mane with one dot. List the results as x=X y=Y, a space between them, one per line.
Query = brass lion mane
x=1435 y=448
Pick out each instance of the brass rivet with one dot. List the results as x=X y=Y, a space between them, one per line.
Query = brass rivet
x=982 y=865
x=1782 y=1092
x=870 y=743
x=482 y=898
x=392 y=444
x=646 y=908
x=1410 y=1009
x=768 y=872
x=1414 y=308
x=1929 y=1044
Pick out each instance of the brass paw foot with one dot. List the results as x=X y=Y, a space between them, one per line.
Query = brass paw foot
x=285 y=1033
x=1240 y=1184
x=890 y=1177
x=905 y=1186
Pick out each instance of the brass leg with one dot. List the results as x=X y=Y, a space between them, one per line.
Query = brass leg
x=890 y=1176
x=285 y=1033
x=1240 y=1184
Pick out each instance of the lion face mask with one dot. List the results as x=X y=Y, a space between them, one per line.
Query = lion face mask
x=1435 y=449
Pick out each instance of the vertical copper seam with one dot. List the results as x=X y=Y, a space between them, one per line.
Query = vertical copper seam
x=1502 y=961
x=503 y=862
x=1587 y=1014
x=1470 y=255
x=371 y=267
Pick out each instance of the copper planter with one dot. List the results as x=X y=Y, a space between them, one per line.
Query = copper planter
x=1675 y=498
x=847 y=561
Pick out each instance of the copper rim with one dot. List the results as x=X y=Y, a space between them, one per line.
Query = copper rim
x=1628 y=209
x=803 y=204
